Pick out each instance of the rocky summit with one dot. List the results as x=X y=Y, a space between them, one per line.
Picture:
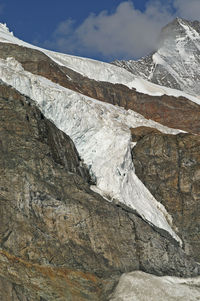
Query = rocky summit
x=99 y=185
x=175 y=63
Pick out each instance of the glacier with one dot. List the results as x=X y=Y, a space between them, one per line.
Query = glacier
x=101 y=133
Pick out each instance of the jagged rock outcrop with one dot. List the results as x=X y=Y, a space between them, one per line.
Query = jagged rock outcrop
x=175 y=64
x=58 y=239
x=169 y=166
x=171 y=111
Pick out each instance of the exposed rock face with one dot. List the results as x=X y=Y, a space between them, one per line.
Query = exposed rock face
x=58 y=239
x=169 y=166
x=12 y=292
x=170 y=111
x=176 y=62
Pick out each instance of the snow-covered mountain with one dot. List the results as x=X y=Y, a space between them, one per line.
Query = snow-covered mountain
x=175 y=64
x=100 y=71
x=107 y=111
x=96 y=128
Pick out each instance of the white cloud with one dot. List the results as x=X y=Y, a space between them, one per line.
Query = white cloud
x=189 y=9
x=125 y=33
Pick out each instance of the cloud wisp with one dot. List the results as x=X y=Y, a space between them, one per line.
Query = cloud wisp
x=188 y=9
x=125 y=33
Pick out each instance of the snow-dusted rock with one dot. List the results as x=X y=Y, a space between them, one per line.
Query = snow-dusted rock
x=176 y=62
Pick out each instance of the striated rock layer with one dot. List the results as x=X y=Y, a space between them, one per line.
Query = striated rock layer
x=58 y=239
x=175 y=112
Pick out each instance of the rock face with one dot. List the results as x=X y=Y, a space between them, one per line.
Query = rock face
x=58 y=239
x=176 y=62
x=169 y=166
x=174 y=112
x=12 y=292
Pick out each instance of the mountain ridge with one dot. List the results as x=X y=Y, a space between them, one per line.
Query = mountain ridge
x=175 y=63
x=77 y=215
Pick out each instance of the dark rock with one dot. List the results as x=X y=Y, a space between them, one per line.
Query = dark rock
x=12 y=292
x=169 y=166
x=141 y=131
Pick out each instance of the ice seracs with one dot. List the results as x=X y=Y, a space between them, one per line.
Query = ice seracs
x=100 y=131
x=101 y=134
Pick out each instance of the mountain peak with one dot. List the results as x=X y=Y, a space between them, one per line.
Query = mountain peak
x=175 y=64
x=4 y=29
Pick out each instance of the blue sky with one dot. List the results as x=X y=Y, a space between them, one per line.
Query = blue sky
x=104 y=30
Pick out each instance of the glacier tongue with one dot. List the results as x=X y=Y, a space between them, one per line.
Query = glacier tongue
x=101 y=134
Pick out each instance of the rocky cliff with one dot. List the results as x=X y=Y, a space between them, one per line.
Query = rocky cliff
x=60 y=239
x=169 y=166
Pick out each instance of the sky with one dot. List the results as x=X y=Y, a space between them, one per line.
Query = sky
x=104 y=30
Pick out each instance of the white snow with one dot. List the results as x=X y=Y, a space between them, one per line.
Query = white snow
x=140 y=286
x=146 y=87
x=90 y=68
x=100 y=71
x=191 y=33
x=101 y=134
x=176 y=61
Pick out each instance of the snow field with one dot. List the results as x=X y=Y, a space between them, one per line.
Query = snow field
x=140 y=286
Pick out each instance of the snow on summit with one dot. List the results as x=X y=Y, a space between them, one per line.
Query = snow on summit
x=100 y=131
x=175 y=64
x=99 y=71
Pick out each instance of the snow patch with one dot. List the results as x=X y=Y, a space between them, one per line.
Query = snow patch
x=140 y=286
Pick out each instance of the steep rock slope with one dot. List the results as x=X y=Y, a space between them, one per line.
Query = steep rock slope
x=169 y=166
x=176 y=62
x=58 y=239
x=96 y=129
